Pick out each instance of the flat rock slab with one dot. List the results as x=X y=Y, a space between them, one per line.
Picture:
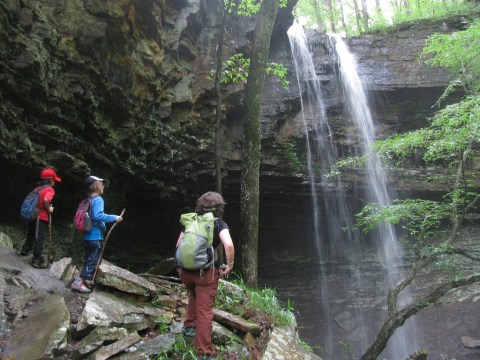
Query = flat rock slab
x=470 y=342
x=236 y=322
x=124 y=280
x=104 y=309
x=58 y=268
x=282 y=346
x=97 y=337
x=43 y=333
x=121 y=344
x=151 y=347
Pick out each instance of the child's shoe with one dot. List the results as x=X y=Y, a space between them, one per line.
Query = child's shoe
x=78 y=285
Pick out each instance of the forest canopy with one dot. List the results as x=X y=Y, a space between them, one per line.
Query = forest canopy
x=353 y=17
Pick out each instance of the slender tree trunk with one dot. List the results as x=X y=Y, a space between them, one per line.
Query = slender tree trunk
x=357 y=15
x=218 y=90
x=394 y=5
x=406 y=5
x=331 y=15
x=318 y=14
x=378 y=8
x=365 y=14
x=250 y=178
x=343 y=17
x=398 y=318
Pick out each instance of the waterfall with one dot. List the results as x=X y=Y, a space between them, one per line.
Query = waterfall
x=338 y=251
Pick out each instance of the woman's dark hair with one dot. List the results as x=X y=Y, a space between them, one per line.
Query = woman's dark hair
x=210 y=202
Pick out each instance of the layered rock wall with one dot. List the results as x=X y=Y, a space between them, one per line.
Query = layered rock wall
x=122 y=90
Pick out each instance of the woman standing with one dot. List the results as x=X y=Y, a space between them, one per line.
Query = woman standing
x=93 y=239
x=202 y=284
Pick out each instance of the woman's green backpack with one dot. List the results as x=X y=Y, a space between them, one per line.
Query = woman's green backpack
x=195 y=250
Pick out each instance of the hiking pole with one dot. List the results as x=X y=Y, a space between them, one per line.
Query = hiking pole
x=50 y=238
x=103 y=247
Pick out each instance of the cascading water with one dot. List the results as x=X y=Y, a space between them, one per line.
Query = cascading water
x=385 y=238
x=339 y=252
x=320 y=150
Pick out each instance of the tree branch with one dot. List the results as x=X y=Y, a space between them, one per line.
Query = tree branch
x=398 y=318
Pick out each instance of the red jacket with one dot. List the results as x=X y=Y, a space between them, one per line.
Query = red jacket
x=46 y=193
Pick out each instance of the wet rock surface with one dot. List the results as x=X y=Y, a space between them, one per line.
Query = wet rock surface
x=45 y=319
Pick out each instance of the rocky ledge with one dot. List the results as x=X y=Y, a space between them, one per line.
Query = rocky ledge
x=126 y=316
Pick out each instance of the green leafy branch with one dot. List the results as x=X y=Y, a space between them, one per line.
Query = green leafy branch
x=250 y=7
x=235 y=69
x=342 y=165
x=449 y=134
x=464 y=65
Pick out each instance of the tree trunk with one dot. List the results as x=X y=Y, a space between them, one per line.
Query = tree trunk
x=331 y=15
x=250 y=178
x=398 y=318
x=406 y=5
x=378 y=8
x=365 y=14
x=342 y=14
x=218 y=90
x=318 y=14
x=357 y=15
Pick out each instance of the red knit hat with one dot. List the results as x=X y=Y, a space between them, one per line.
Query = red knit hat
x=50 y=174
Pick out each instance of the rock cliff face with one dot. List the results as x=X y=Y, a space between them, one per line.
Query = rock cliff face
x=121 y=89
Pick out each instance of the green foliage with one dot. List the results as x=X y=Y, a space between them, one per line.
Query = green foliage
x=459 y=52
x=263 y=301
x=289 y=150
x=344 y=164
x=267 y=301
x=391 y=14
x=280 y=71
x=419 y=218
x=450 y=139
x=249 y=7
x=450 y=133
x=348 y=349
x=227 y=300
x=429 y=9
x=245 y=7
x=180 y=350
x=163 y=323
x=304 y=345
x=235 y=69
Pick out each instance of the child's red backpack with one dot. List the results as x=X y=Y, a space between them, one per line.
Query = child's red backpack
x=83 y=216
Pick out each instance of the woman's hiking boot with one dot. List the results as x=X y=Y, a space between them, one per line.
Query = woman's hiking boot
x=39 y=263
x=79 y=285
x=189 y=331
x=24 y=251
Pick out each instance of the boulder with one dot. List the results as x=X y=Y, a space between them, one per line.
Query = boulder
x=236 y=322
x=282 y=346
x=105 y=309
x=43 y=333
x=121 y=344
x=97 y=337
x=111 y=275
x=151 y=347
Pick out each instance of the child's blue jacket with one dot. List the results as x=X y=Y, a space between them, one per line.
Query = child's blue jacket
x=99 y=218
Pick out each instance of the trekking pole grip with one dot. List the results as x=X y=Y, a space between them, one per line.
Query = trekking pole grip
x=103 y=247
x=109 y=231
